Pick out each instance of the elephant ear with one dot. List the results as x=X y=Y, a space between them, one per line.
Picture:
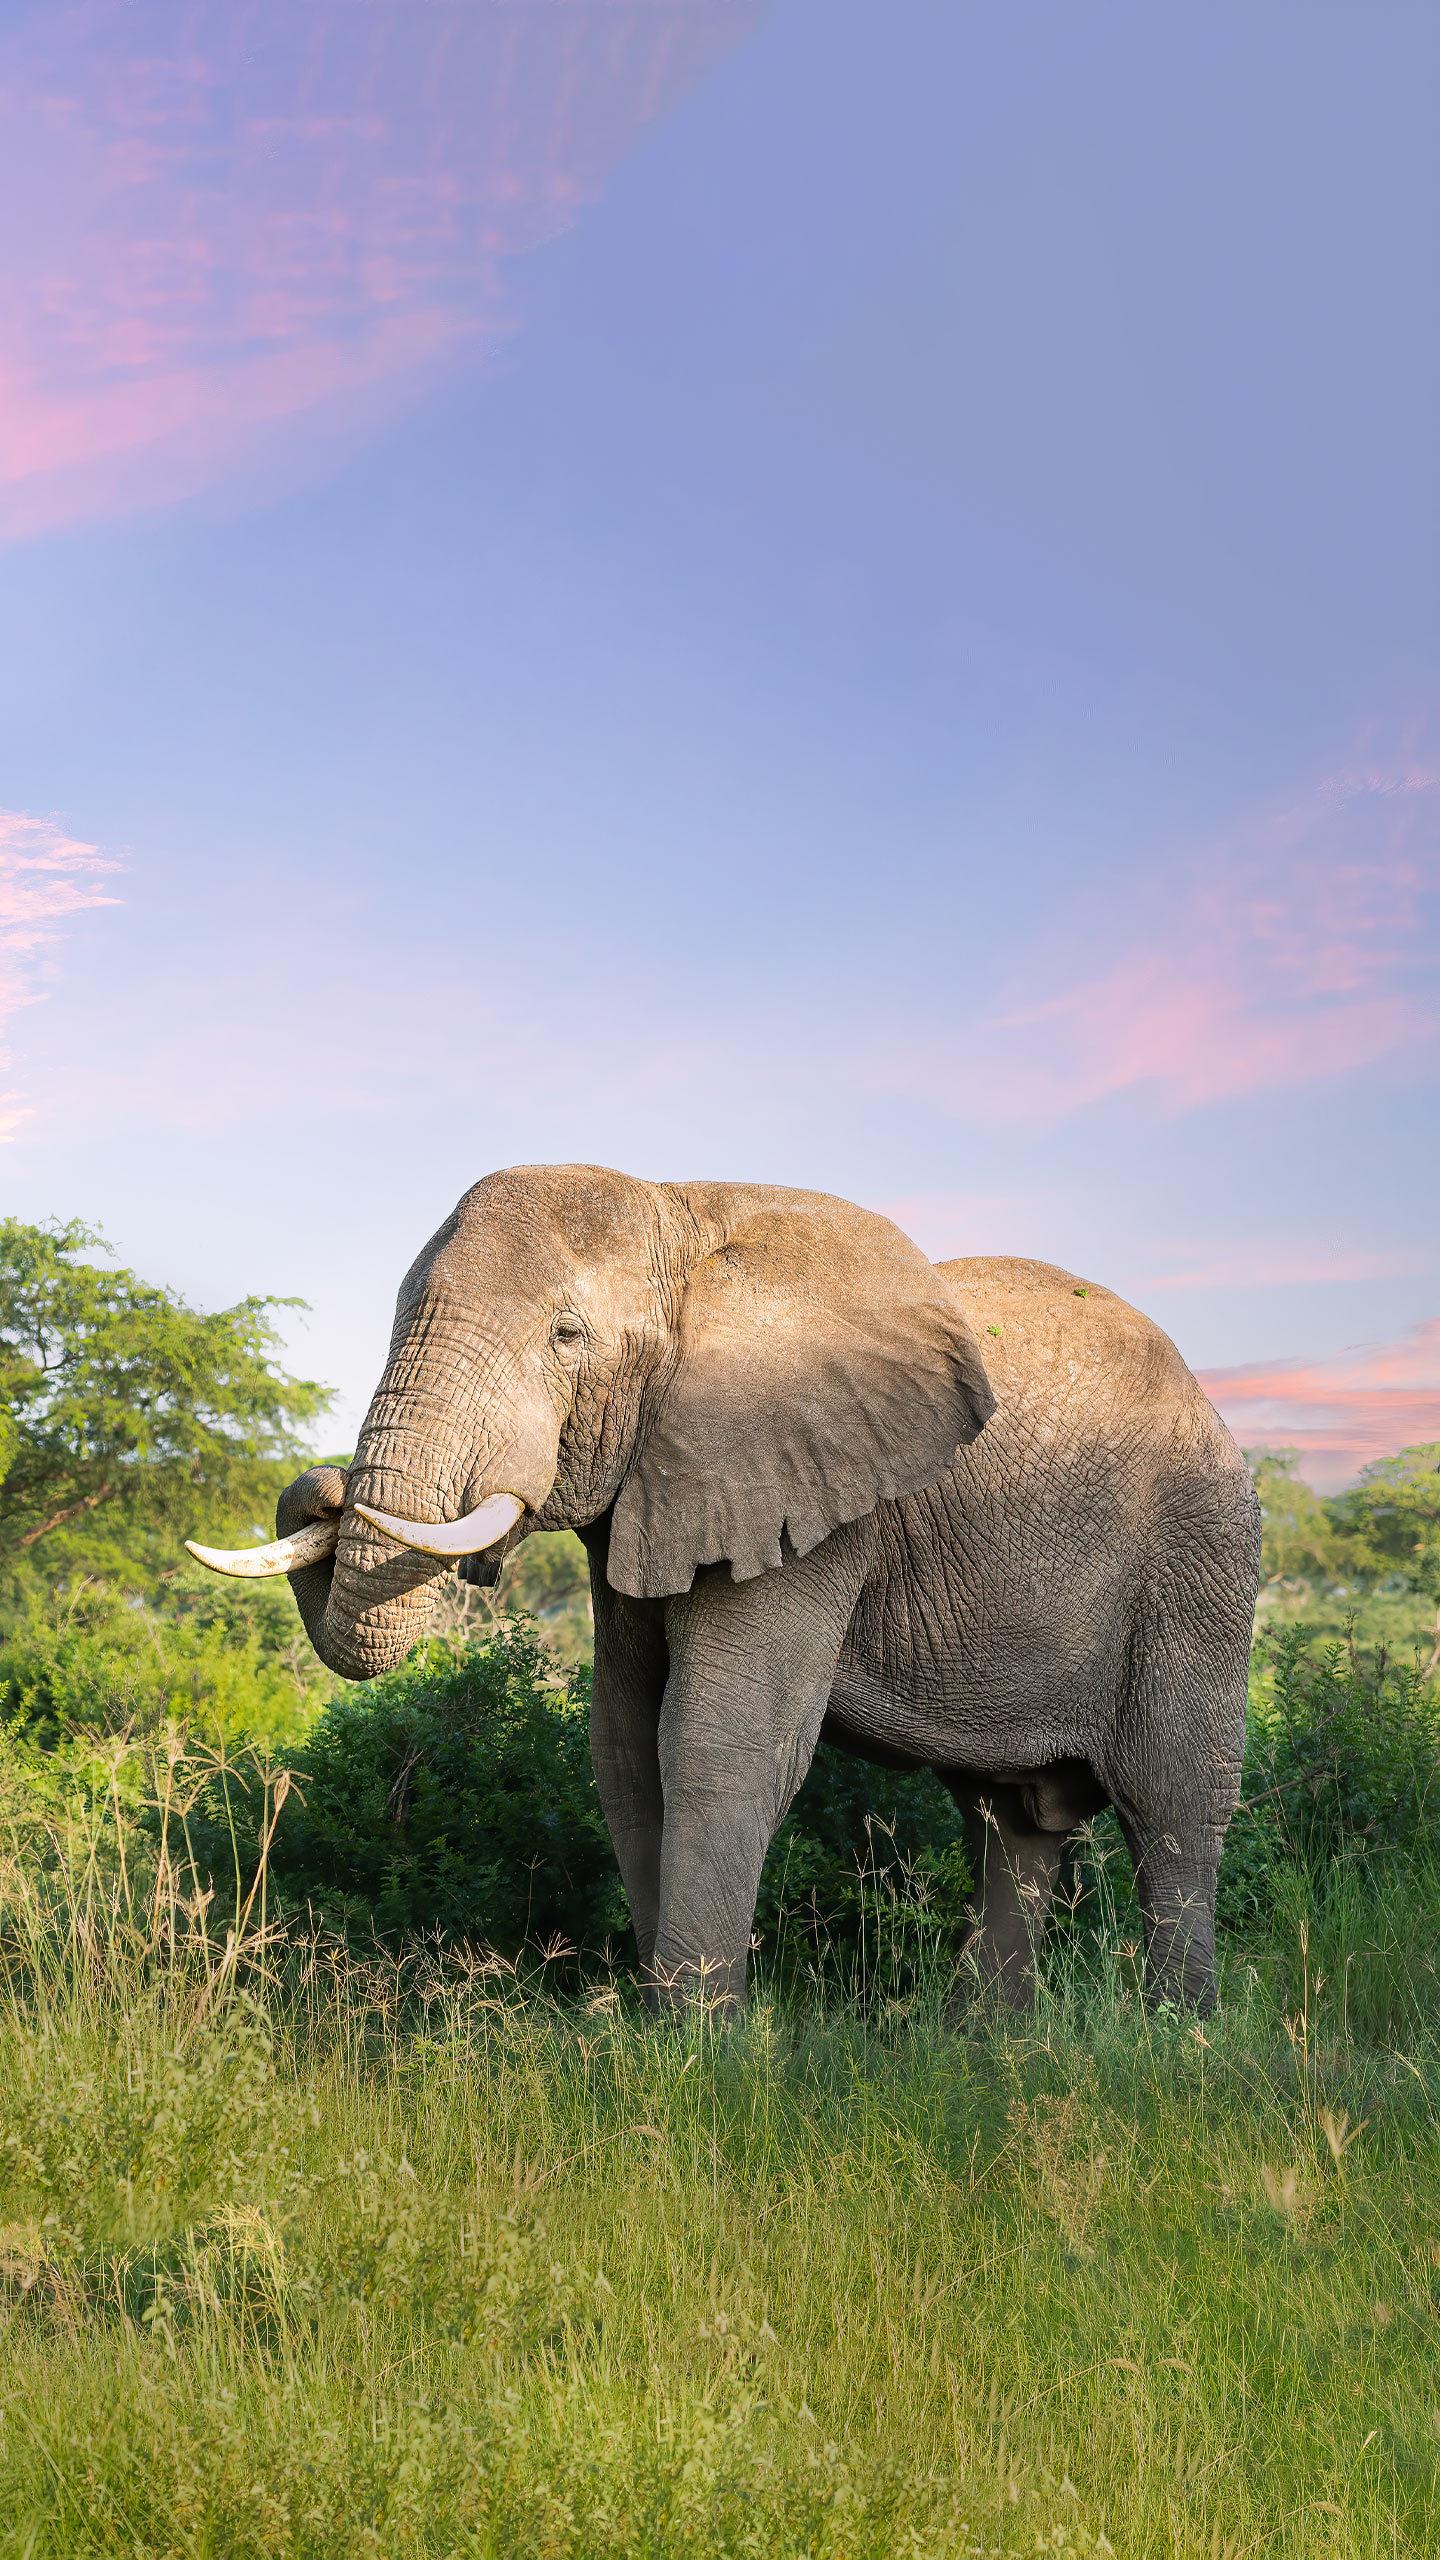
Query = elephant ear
x=822 y=1366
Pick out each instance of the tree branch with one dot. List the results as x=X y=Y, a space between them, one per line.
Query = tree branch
x=71 y=1511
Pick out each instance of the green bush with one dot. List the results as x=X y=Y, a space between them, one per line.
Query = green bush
x=1342 y=1772
x=227 y=1663
x=1343 y=1765
x=455 y=1795
x=867 y=1877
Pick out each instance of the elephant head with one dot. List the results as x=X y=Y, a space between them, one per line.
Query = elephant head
x=729 y=1370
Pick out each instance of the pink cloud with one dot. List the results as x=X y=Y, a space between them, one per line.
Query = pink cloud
x=209 y=1048
x=951 y=1224
x=230 y=222
x=958 y=1223
x=45 y=878
x=1302 y=1263
x=1342 y=1413
x=1288 y=954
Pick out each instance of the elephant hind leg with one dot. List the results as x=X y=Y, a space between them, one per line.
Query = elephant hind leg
x=1173 y=1770
x=1015 y=1864
x=1176 y=1877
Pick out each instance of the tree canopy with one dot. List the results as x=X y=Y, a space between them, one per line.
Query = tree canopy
x=124 y=1409
x=1375 y=1545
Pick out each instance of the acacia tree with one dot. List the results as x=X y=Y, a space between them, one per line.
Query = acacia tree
x=1299 y=1544
x=1372 y=1549
x=124 y=1408
x=1388 y=1525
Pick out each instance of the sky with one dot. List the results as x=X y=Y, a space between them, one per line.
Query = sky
x=796 y=592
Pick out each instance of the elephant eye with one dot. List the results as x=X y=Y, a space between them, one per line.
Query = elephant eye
x=567 y=1329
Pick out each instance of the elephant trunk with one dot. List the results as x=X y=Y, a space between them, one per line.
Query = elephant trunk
x=448 y=1426
x=363 y=1614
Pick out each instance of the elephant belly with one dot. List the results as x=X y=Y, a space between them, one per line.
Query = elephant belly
x=1010 y=1732
x=1053 y=1797
x=975 y=1648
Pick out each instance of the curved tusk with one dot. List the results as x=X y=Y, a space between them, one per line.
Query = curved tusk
x=283 y=1555
x=479 y=1528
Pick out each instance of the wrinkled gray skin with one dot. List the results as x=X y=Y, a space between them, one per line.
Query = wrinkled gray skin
x=811 y=1506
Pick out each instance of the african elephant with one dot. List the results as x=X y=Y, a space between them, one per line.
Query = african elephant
x=813 y=1507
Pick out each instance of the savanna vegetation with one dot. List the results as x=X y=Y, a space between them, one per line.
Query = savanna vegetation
x=348 y=2202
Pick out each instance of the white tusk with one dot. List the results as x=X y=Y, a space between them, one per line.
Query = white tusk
x=479 y=1528
x=283 y=1555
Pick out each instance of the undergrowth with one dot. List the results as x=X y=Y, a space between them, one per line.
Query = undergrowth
x=305 y=2250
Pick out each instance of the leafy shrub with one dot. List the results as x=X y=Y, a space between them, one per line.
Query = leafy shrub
x=1342 y=1771
x=1342 y=1768
x=456 y=1795
x=867 y=1876
x=226 y=1664
x=1343 y=1764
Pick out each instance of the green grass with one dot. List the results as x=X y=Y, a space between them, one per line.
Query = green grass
x=301 y=2253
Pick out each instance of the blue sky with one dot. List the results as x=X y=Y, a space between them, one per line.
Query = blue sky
x=810 y=593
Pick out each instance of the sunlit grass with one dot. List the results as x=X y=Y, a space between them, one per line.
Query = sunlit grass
x=307 y=2254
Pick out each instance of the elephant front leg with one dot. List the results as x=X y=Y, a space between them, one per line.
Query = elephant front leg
x=712 y=1860
x=629 y=1683
x=751 y=1669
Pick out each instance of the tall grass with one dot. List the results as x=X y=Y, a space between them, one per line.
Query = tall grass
x=304 y=2252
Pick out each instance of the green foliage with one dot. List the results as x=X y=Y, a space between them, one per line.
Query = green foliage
x=124 y=1409
x=1342 y=1765
x=455 y=1795
x=1368 y=1557
x=306 y=2254
x=224 y=1663
x=866 y=1881
x=547 y=1577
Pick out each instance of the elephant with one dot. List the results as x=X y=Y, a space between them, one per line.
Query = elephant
x=975 y=1516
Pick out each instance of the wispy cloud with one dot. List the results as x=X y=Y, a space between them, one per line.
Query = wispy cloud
x=1338 y=1413
x=1299 y=949
x=211 y=1048
x=45 y=878
x=226 y=221
x=1300 y=1262
x=948 y=1225
x=959 y=1223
